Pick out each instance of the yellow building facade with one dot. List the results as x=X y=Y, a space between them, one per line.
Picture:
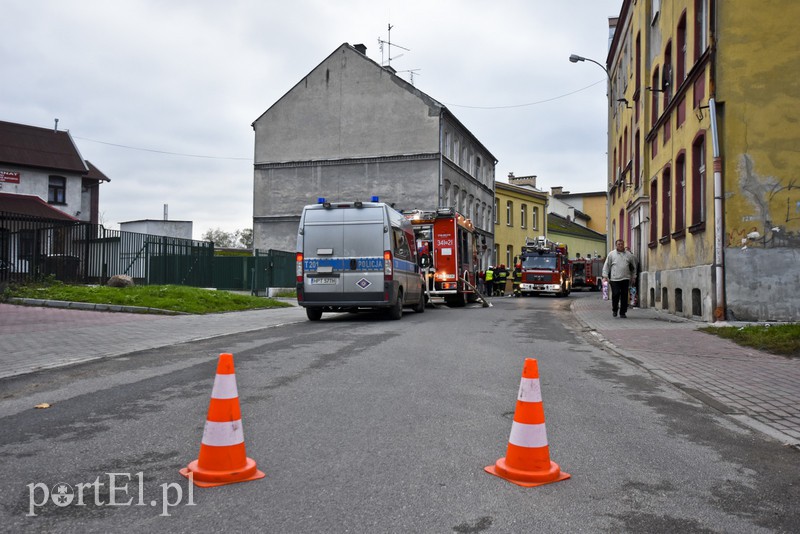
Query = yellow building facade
x=520 y=212
x=704 y=155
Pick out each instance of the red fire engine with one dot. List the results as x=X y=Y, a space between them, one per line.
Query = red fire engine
x=587 y=272
x=545 y=268
x=447 y=247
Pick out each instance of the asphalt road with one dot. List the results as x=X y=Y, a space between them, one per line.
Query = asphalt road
x=367 y=425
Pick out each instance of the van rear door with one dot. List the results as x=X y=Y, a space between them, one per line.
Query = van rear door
x=343 y=252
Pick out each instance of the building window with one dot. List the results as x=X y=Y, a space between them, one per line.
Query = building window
x=666 y=201
x=523 y=216
x=680 y=59
x=637 y=160
x=446 y=150
x=535 y=218
x=680 y=192
x=478 y=169
x=654 y=98
x=698 y=181
x=666 y=75
x=456 y=151
x=509 y=213
x=653 y=211
x=56 y=193
x=638 y=63
x=496 y=210
x=509 y=256
x=700 y=28
x=622 y=226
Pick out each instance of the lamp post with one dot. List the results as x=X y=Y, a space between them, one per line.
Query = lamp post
x=574 y=58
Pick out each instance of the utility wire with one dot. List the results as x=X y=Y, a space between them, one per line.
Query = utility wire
x=530 y=103
x=161 y=151
x=250 y=159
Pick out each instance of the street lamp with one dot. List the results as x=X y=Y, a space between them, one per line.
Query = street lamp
x=574 y=58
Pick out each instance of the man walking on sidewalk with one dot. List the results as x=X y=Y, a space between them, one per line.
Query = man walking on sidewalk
x=620 y=268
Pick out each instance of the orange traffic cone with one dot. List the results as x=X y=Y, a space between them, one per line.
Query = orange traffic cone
x=527 y=460
x=222 y=458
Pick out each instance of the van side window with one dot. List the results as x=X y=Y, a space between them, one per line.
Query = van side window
x=401 y=249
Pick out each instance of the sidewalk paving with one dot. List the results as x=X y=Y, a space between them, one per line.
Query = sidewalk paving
x=759 y=389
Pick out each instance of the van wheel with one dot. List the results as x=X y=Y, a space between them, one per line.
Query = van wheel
x=396 y=311
x=314 y=314
x=419 y=307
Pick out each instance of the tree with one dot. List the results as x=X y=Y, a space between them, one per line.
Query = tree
x=221 y=238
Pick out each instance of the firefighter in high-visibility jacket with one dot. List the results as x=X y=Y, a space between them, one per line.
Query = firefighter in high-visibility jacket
x=517 y=280
x=488 y=281
x=501 y=277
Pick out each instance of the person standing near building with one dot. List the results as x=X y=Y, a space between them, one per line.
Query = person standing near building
x=620 y=270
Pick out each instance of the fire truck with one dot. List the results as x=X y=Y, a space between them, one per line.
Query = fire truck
x=447 y=247
x=587 y=272
x=545 y=268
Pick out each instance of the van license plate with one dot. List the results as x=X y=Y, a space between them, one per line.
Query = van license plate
x=322 y=281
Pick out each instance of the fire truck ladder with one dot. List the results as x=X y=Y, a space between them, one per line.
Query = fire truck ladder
x=486 y=303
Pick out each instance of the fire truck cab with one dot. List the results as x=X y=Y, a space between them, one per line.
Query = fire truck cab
x=545 y=268
x=447 y=247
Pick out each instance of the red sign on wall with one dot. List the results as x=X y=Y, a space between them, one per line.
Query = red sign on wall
x=9 y=177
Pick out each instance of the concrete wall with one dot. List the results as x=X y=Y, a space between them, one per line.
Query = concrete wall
x=179 y=229
x=686 y=292
x=279 y=200
x=762 y=284
x=347 y=107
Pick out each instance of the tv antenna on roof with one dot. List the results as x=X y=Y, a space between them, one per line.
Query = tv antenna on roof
x=389 y=44
x=411 y=73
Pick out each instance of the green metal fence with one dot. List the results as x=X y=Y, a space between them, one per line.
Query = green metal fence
x=257 y=273
x=76 y=251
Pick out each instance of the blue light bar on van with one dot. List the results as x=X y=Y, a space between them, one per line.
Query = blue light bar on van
x=375 y=198
x=320 y=200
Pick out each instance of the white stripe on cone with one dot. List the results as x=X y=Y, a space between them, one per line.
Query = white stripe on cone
x=524 y=435
x=224 y=387
x=530 y=390
x=223 y=434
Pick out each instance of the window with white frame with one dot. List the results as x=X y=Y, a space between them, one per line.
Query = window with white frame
x=523 y=216
x=535 y=218
x=509 y=213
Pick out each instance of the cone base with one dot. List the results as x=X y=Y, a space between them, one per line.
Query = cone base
x=206 y=478
x=526 y=479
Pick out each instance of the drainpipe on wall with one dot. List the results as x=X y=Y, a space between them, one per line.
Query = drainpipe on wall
x=441 y=155
x=719 y=257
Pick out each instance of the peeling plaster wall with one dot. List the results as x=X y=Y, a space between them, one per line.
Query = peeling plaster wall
x=757 y=84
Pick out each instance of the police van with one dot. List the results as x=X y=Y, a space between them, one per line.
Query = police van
x=354 y=256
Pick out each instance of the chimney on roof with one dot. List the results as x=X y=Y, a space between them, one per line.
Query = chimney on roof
x=528 y=181
x=361 y=48
x=556 y=190
x=55 y=128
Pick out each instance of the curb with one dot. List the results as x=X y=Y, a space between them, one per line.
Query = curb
x=88 y=306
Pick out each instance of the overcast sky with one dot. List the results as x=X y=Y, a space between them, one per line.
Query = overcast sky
x=160 y=94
